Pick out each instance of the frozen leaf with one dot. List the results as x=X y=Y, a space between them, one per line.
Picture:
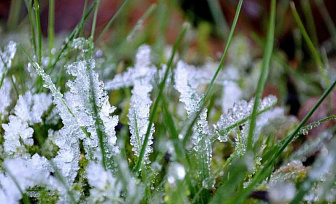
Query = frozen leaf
x=200 y=139
x=83 y=88
x=141 y=78
x=138 y=118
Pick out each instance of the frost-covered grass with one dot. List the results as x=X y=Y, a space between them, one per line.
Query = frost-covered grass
x=78 y=125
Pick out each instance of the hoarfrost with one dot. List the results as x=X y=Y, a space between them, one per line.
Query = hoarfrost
x=5 y=99
x=6 y=57
x=15 y=131
x=104 y=187
x=239 y=112
x=140 y=77
x=30 y=107
x=27 y=173
x=142 y=71
x=200 y=139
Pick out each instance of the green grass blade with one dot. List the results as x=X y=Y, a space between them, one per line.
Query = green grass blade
x=51 y=30
x=263 y=173
x=81 y=32
x=138 y=25
x=327 y=19
x=217 y=14
x=180 y=152
x=39 y=31
x=94 y=21
x=14 y=14
x=263 y=75
x=207 y=92
x=310 y=19
x=157 y=101
x=72 y=37
x=32 y=24
x=310 y=44
x=120 y=10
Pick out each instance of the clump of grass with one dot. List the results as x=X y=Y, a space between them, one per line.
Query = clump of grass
x=66 y=140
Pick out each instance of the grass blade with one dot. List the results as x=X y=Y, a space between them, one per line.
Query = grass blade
x=263 y=173
x=310 y=44
x=39 y=31
x=263 y=75
x=120 y=10
x=157 y=101
x=207 y=92
x=51 y=30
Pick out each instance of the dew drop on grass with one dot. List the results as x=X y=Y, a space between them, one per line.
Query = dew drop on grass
x=305 y=132
x=208 y=183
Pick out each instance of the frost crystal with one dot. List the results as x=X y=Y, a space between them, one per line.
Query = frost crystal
x=28 y=110
x=104 y=187
x=6 y=57
x=27 y=173
x=82 y=90
x=5 y=99
x=200 y=139
x=282 y=192
x=30 y=107
x=186 y=85
x=16 y=131
x=239 y=112
x=138 y=118
x=78 y=116
x=140 y=77
x=141 y=71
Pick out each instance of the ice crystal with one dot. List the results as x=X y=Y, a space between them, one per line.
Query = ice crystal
x=6 y=57
x=231 y=95
x=83 y=88
x=239 y=112
x=142 y=70
x=138 y=118
x=17 y=131
x=67 y=138
x=140 y=77
x=30 y=107
x=104 y=187
x=78 y=116
x=27 y=173
x=200 y=139
x=5 y=99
